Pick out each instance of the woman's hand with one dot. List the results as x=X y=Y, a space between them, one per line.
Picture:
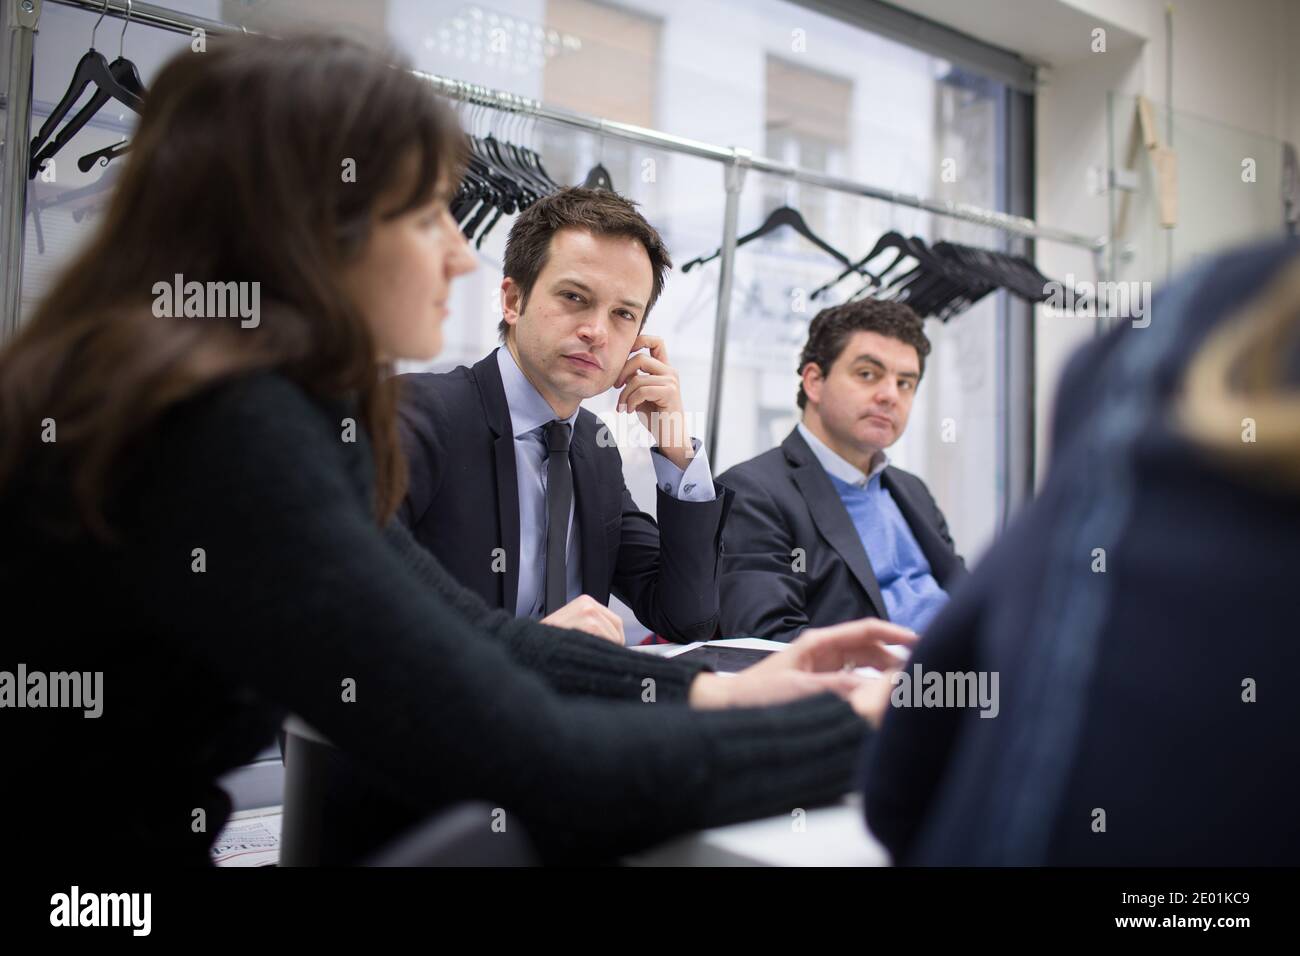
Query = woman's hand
x=871 y=699
x=821 y=659
x=716 y=691
x=860 y=643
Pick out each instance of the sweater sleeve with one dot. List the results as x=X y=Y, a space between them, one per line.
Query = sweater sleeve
x=571 y=661
x=300 y=599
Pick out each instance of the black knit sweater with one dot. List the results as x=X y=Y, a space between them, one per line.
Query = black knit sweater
x=302 y=597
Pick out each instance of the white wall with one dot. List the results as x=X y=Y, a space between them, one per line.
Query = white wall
x=1235 y=63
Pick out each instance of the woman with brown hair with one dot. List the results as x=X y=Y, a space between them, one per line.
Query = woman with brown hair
x=196 y=500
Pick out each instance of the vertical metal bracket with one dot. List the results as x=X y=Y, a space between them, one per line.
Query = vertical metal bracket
x=21 y=18
x=734 y=179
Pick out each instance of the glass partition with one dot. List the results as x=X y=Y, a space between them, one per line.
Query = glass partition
x=771 y=76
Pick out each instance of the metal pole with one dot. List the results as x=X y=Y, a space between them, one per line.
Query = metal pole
x=22 y=16
x=1017 y=225
x=734 y=173
x=183 y=23
x=1017 y=417
x=498 y=99
x=152 y=15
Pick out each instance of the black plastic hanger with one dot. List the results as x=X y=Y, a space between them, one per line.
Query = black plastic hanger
x=501 y=178
x=911 y=250
x=102 y=156
x=1016 y=274
x=953 y=277
x=120 y=81
x=535 y=159
x=129 y=76
x=890 y=240
x=507 y=166
x=598 y=178
x=782 y=216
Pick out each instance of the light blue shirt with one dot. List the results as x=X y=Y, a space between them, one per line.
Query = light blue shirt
x=529 y=413
x=839 y=467
x=912 y=596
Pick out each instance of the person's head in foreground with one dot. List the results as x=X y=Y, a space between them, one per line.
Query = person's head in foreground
x=1134 y=623
x=859 y=371
x=197 y=467
x=308 y=172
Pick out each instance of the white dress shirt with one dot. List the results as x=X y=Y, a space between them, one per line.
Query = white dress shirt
x=529 y=413
x=838 y=466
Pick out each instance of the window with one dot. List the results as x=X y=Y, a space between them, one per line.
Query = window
x=776 y=77
x=807 y=124
x=608 y=68
x=796 y=85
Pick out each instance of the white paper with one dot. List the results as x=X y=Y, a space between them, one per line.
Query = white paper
x=249 y=838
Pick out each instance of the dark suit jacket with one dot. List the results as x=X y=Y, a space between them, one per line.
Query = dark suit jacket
x=463 y=502
x=784 y=501
x=1119 y=691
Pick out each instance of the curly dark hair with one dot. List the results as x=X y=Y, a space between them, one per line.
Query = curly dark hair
x=831 y=328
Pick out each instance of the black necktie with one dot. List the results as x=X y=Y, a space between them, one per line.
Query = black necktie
x=559 y=496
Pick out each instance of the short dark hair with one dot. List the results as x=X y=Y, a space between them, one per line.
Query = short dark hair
x=831 y=328
x=598 y=211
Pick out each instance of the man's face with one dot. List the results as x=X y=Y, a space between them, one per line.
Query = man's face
x=584 y=313
x=866 y=398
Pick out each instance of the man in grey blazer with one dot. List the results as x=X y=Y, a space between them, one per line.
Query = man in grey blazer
x=823 y=528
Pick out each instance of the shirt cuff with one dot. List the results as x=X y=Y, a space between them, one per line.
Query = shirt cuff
x=693 y=484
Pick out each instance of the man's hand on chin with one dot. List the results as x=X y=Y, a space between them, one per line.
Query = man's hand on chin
x=651 y=389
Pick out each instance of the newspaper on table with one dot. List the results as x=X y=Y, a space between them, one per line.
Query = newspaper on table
x=249 y=838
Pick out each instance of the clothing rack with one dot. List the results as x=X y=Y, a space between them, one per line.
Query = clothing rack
x=735 y=161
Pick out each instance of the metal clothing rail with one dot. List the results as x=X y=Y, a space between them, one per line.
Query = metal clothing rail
x=502 y=100
x=736 y=162
x=23 y=15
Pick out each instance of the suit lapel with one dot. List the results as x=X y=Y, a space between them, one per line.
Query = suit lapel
x=591 y=526
x=497 y=413
x=831 y=517
x=927 y=536
x=508 y=515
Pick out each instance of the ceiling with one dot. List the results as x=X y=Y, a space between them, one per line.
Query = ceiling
x=1051 y=32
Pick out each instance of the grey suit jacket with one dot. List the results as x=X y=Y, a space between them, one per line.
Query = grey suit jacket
x=785 y=500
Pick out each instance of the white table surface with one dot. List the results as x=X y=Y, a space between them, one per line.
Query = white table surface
x=830 y=836
x=825 y=836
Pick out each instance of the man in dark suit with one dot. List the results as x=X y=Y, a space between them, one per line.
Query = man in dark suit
x=824 y=529
x=502 y=452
